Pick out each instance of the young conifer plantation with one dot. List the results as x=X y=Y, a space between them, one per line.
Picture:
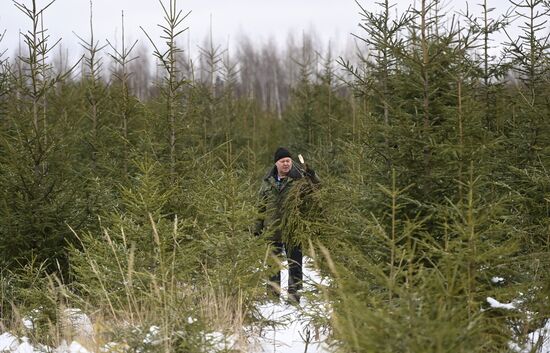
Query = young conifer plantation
x=131 y=195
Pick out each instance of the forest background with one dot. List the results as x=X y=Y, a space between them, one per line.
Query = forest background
x=131 y=195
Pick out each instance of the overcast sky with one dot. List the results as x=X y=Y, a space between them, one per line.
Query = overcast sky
x=258 y=19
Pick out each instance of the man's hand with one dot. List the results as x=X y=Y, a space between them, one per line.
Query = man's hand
x=307 y=171
x=310 y=173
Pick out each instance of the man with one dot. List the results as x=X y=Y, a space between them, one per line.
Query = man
x=284 y=182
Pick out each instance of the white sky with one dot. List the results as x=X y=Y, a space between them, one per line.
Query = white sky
x=258 y=19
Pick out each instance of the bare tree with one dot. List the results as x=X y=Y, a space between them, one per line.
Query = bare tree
x=139 y=70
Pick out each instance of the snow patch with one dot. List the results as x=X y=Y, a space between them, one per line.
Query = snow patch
x=8 y=342
x=191 y=320
x=537 y=341
x=291 y=331
x=79 y=322
x=25 y=346
x=28 y=323
x=29 y=320
x=221 y=341
x=114 y=347
x=152 y=336
x=76 y=347
x=498 y=305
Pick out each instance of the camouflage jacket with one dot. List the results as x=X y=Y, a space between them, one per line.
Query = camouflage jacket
x=278 y=198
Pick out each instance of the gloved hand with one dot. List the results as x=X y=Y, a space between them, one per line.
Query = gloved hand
x=309 y=172
x=311 y=175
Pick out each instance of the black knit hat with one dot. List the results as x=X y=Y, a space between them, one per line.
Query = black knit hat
x=281 y=153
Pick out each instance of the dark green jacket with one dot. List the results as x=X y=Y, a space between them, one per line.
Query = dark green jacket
x=278 y=199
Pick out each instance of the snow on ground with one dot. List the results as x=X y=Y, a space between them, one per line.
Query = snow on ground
x=498 y=305
x=292 y=336
x=12 y=344
x=8 y=342
x=292 y=332
x=537 y=341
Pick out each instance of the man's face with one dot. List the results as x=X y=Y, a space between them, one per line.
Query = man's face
x=283 y=166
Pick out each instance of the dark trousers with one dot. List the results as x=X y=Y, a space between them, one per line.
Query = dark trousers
x=294 y=258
